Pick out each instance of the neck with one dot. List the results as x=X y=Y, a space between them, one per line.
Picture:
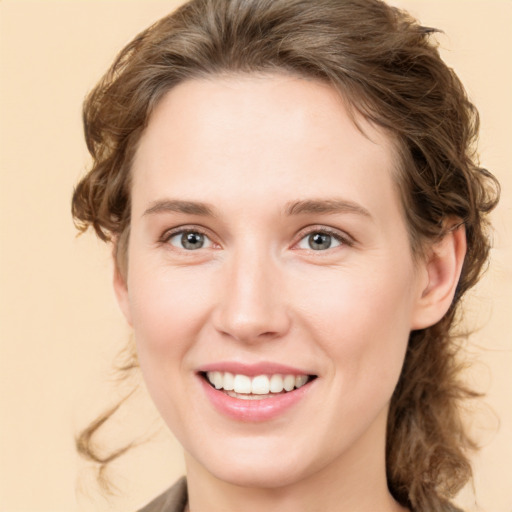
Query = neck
x=354 y=481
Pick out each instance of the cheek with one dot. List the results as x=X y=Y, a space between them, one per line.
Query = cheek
x=362 y=321
x=166 y=306
x=168 y=309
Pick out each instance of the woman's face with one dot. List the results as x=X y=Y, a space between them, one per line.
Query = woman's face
x=267 y=239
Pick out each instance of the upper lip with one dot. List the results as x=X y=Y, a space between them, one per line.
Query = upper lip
x=253 y=369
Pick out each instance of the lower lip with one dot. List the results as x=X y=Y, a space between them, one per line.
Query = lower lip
x=254 y=410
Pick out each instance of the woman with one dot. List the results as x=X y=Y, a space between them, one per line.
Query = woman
x=296 y=210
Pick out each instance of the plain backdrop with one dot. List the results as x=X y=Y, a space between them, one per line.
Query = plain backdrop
x=60 y=327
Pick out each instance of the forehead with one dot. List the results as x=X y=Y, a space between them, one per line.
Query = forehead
x=253 y=134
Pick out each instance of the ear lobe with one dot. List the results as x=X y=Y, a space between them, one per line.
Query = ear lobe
x=121 y=291
x=443 y=266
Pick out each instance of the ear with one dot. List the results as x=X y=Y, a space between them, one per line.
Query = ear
x=441 y=267
x=121 y=290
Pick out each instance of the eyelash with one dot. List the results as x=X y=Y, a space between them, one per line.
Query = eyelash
x=182 y=230
x=343 y=239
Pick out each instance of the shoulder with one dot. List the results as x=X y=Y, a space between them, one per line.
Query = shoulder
x=172 y=500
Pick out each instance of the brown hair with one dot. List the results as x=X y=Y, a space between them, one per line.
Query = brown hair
x=388 y=68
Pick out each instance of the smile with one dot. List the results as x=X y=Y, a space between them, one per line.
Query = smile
x=255 y=393
x=255 y=388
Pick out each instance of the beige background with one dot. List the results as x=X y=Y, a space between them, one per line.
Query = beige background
x=60 y=327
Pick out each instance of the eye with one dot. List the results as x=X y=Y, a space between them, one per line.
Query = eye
x=189 y=240
x=319 y=241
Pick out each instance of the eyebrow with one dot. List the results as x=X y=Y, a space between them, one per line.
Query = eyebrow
x=307 y=206
x=321 y=206
x=178 y=206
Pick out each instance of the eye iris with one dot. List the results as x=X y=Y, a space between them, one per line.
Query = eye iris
x=319 y=241
x=192 y=240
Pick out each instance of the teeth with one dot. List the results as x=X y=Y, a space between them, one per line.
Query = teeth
x=217 y=380
x=260 y=385
x=289 y=382
x=242 y=384
x=229 y=381
x=300 y=380
x=276 y=383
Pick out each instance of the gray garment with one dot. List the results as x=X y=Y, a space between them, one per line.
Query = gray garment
x=173 y=500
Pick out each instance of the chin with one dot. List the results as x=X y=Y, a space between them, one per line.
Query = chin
x=269 y=476
x=268 y=466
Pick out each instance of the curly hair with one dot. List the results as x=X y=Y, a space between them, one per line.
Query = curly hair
x=387 y=67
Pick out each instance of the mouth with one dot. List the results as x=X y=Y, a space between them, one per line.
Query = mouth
x=259 y=387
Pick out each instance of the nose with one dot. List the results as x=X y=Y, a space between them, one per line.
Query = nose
x=251 y=307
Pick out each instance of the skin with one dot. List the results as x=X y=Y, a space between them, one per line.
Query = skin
x=249 y=147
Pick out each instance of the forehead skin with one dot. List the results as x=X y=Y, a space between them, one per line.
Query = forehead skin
x=270 y=131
